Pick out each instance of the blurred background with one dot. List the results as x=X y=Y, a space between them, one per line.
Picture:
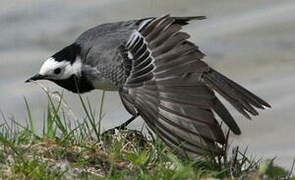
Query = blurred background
x=250 y=41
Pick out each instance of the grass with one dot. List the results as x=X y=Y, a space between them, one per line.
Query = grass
x=68 y=148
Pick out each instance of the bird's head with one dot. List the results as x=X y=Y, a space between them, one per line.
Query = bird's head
x=65 y=69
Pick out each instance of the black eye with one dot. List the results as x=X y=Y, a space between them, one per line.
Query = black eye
x=57 y=70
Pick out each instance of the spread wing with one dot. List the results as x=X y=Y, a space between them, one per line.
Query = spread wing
x=166 y=85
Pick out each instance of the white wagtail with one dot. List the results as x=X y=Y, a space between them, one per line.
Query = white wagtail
x=159 y=75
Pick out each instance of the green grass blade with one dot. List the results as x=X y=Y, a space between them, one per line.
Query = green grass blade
x=89 y=117
x=101 y=111
x=30 y=118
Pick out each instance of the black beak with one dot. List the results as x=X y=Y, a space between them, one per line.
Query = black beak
x=35 y=78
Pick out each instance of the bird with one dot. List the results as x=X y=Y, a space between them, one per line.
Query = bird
x=160 y=76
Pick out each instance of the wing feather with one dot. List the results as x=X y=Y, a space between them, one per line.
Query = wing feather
x=172 y=90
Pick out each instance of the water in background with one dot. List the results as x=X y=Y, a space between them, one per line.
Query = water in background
x=250 y=41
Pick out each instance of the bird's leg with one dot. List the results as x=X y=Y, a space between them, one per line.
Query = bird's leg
x=125 y=124
x=122 y=126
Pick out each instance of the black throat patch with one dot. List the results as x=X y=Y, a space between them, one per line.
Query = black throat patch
x=75 y=84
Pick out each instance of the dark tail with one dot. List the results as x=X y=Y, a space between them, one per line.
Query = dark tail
x=185 y=20
x=242 y=99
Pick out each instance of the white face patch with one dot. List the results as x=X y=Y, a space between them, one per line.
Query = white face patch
x=66 y=68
